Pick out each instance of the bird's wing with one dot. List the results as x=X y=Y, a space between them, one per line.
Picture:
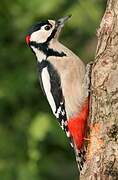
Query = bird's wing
x=51 y=86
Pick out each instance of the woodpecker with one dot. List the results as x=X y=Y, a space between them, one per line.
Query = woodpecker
x=63 y=79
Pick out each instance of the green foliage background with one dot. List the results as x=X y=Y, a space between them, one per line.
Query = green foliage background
x=32 y=146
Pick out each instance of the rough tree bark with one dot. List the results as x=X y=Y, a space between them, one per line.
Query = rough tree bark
x=102 y=153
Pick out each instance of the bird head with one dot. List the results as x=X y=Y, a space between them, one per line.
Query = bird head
x=45 y=31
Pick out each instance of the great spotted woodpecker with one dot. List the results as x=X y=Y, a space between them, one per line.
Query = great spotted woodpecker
x=63 y=79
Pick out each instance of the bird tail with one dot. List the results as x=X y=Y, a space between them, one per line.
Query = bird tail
x=77 y=127
x=80 y=158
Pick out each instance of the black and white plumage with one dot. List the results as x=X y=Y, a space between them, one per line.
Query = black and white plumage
x=61 y=75
x=48 y=76
x=51 y=86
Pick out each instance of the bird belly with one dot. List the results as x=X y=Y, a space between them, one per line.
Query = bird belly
x=73 y=93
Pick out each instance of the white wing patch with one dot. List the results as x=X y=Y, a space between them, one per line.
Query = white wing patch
x=59 y=111
x=47 y=88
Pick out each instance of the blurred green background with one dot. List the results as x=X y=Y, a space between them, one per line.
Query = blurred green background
x=32 y=146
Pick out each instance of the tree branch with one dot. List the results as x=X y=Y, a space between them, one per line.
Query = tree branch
x=102 y=153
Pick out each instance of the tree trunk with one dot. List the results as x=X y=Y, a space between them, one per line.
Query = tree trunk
x=102 y=153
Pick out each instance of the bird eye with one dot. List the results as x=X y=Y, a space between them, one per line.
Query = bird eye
x=48 y=27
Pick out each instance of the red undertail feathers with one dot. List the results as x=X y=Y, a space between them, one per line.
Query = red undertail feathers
x=77 y=125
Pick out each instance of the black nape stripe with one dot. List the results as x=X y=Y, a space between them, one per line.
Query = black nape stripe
x=46 y=50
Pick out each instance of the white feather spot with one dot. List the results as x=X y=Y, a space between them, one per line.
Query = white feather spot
x=68 y=133
x=66 y=123
x=71 y=144
x=58 y=112
x=63 y=112
x=62 y=124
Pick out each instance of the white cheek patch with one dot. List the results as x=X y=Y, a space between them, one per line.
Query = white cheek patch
x=40 y=36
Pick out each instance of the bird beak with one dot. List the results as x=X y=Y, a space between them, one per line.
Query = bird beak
x=60 y=22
